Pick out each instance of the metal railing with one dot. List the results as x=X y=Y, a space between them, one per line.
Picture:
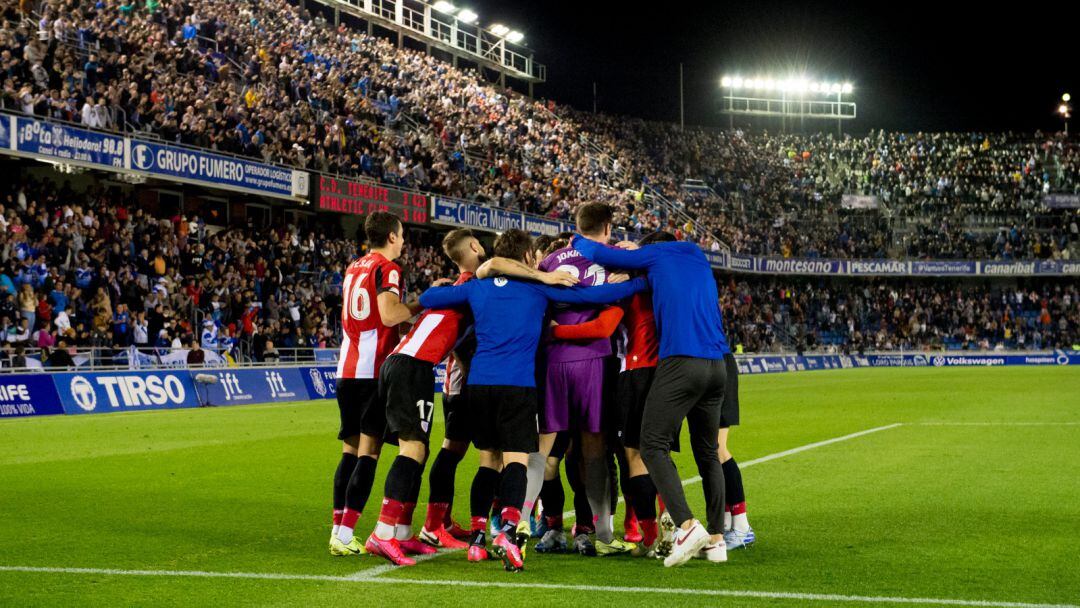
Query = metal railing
x=103 y=359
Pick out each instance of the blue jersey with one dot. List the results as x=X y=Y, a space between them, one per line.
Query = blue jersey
x=685 y=301
x=508 y=319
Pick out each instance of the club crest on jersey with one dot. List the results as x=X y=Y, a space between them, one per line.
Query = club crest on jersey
x=501 y=282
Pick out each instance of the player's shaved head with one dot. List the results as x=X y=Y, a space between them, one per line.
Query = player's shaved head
x=456 y=244
x=514 y=244
x=593 y=219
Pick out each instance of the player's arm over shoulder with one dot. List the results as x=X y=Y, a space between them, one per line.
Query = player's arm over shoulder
x=613 y=256
x=602 y=294
x=497 y=266
x=447 y=296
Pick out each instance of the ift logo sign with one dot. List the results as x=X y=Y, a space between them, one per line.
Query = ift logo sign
x=276 y=382
x=230 y=384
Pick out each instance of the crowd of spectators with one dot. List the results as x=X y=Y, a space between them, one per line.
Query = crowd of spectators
x=787 y=314
x=264 y=78
x=91 y=269
x=938 y=195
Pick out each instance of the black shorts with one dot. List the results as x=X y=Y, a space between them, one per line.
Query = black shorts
x=360 y=408
x=729 y=413
x=505 y=418
x=457 y=417
x=633 y=389
x=407 y=387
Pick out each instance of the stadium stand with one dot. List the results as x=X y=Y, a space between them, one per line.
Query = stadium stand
x=90 y=268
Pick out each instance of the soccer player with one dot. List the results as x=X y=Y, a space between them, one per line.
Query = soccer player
x=502 y=384
x=737 y=530
x=407 y=387
x=642 y=353
x=434 y=335
x=688 y=384
x=574 y=385
x=371 y=310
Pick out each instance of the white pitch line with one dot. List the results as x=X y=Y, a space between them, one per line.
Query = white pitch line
x=781 y=595
x=785 y=453
x=998 y=423
x=369 y=573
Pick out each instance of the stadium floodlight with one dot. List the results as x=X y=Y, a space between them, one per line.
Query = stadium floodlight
x=1063 y=109
x=499 y=30
x=467 y=16
x=848 y=88
x=737 y=83
x=515 y=37
x=836 y=88
x=444 y=7
x=1066 y=97
x=725 y=82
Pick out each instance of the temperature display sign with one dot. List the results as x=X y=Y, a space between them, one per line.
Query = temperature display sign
x=360 y=198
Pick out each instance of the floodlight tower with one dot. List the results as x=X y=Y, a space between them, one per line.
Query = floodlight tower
x=1065 y=110
x=441 y=25
x=795 y=97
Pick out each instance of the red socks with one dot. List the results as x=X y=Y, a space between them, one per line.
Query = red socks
x=737 y=508
x=511 y=516
x=436 y=515
x=648 y=531
x=406 y=514
x=391 y=512
x=478 y=523
x=349 y=517
x=337 y=516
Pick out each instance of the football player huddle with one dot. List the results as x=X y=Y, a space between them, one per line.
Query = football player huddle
x=558 y=350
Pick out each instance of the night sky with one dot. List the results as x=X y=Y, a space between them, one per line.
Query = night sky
x=932 y=66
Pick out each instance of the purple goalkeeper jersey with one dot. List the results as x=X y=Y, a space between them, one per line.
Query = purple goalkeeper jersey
x=570 y=260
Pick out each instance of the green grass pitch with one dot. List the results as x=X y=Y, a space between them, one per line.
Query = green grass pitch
x=230 y=506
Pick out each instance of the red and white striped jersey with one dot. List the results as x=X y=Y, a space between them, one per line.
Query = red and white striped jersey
x=455 y=376
x=435 y=332
x=365 y=341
